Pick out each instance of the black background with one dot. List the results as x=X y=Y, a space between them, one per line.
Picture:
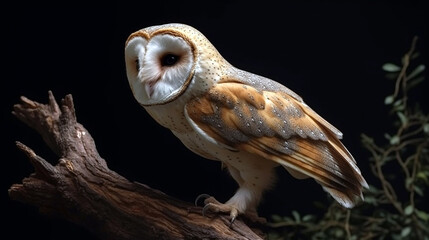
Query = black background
x=329 y=52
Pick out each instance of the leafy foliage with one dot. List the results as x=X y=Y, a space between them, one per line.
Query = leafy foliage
x=394 y=207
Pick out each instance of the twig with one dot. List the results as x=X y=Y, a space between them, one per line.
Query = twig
x=347 y=224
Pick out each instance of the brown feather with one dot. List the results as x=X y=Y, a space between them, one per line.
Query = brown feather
x=280 y=128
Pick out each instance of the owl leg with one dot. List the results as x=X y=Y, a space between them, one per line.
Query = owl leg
x=235 y=206
x=245 y=200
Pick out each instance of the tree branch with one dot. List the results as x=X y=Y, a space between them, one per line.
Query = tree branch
x=82 y=189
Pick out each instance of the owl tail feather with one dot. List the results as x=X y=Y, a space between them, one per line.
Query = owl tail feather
x=345 y=183
x=347 y=200
x=329 y=163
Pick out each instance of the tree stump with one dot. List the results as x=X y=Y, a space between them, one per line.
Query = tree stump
x=82 y=189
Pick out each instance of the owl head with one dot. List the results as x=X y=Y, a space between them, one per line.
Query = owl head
x=162 y=61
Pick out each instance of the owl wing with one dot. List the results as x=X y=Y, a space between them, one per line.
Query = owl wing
x=280 y=127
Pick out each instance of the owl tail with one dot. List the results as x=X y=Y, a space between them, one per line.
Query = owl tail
x=346 y=199
x=331 y=165
x=349 y=193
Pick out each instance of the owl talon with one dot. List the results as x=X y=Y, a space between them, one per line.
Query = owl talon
x=232 y=221
x=207 y=208
x=214 y=206
x=201 y=196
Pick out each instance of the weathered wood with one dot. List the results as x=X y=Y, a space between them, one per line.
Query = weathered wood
x=82 y=189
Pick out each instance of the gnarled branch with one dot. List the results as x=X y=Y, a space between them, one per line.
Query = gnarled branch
x=82 y=189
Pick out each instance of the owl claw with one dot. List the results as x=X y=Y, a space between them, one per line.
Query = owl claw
x=219 y=207
x=213 y=205
x=201 y=196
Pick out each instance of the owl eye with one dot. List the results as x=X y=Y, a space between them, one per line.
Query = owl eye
x=169 y=59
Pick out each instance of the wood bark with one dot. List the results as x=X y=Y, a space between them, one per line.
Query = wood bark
x=82 y=189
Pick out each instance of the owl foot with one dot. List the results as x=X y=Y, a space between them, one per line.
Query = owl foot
x=213 y=205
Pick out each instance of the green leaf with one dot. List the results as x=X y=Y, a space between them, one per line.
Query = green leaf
x=389 y=100
x=408 y=182
x=390 y=67
x=339 y=233
x=426 y=128
x=409 y=210
x=296 y=216
x=276 y=218
x=394 y=140
x=405 y=231
x=387 y=136
x=420 y=68
x=415 y=55
x=398 y=108
x=422 y=215
x=418 y=190
x=391 y=218
x=414 y=82
x=408 y=221
x=308 y=218
x=423 y=175
x=403 y=118
x=354 y=237
x=397 y=103
x=371 y=200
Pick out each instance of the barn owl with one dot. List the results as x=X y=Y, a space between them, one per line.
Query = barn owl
x=250 y=123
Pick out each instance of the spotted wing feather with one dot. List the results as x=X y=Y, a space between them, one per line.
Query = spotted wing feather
x=281 y=128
